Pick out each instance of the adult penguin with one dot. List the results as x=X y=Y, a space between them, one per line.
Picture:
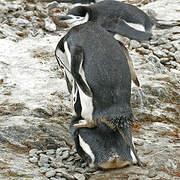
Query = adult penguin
x=102 y=115
x=116 y=17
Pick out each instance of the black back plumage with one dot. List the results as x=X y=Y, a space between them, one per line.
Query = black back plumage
x=106 y=70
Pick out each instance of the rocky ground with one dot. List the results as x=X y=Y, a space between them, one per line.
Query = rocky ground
x=35 y=107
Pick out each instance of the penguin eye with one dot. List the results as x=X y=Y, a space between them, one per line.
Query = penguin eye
x=78 y=17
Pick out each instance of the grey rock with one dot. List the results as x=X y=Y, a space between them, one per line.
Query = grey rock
x=53 y=178
x=162 y=41
x=61 y=170
x=145 y=45
x=60 y=150
x=67 y=176
x=65 y=155
x=71 y=158
x=49 y=25
x=176 y=44
x=50 y=173
x=46 y=165
x=29 y=7
x=52 y=5
x=152 y=173
x=33 y=159
x=177 y=56
x=167 y=46
x=44 y=169
x=33 y=152
x=20 y=22
x=144 y=51
x=44 y=159
x=174 y=37
x=50 y=152
x=159 y=53
x=79 y=176
x=164 y=60
x=134 y=44
x=57 y=164
x=154 y=43
x=138 y=142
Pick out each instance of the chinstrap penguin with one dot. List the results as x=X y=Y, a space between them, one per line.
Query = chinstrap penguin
x=101 y=88
x=116 y=17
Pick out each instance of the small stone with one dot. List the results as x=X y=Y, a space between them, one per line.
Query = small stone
x=33 y=152
x=174 y=37
x=65 y=155
x=138 y=142
x=177 y=56
x=162 y=41
x=59 y=151
x=50 y=152
x=53 y=178
x=159 y=53
x=39 y=152
x=20 y=22
x=33 y=159
x=71 y=158
x=152 y=42
x=43 y=164
x=145 y=45
x=52 y=5
x=152 y=173
x=44 y=169
x=50 y=173
x=61 y=170
x=68 y=176
x=176 y=45
x=79 y=176
x=43 y=159
x=164 y=60
x=49 y=25
x=143 y=51
x=134 y=44
x=80 y=170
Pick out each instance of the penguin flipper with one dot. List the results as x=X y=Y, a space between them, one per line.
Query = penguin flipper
x=63 y=62
x=118 y=26
x=134 y=77
x=77 y=70
x=68 y=83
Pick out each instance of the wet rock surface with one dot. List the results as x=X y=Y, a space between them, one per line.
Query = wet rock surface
x=35 y=107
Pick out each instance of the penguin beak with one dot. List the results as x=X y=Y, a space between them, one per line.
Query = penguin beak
x=71 y=20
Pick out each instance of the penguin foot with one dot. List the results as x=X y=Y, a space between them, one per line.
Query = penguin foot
x=85 y=123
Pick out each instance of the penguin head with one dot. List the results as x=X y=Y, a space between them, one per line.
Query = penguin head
x=78 y=15
x=103 y=147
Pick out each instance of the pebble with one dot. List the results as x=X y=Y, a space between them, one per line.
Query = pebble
x=43 y=159
x=33 y=152
x=138 y=142
x=50 y=173
x=33 y=159
x=52 y=5
x=68 y=176
x=65 y=155
x=152 y=173
x=79 y=176
x=164 y=60
x=134 y=44
x=177 y=56
x=50 y=152
x=159 y=53
x=49 y=25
